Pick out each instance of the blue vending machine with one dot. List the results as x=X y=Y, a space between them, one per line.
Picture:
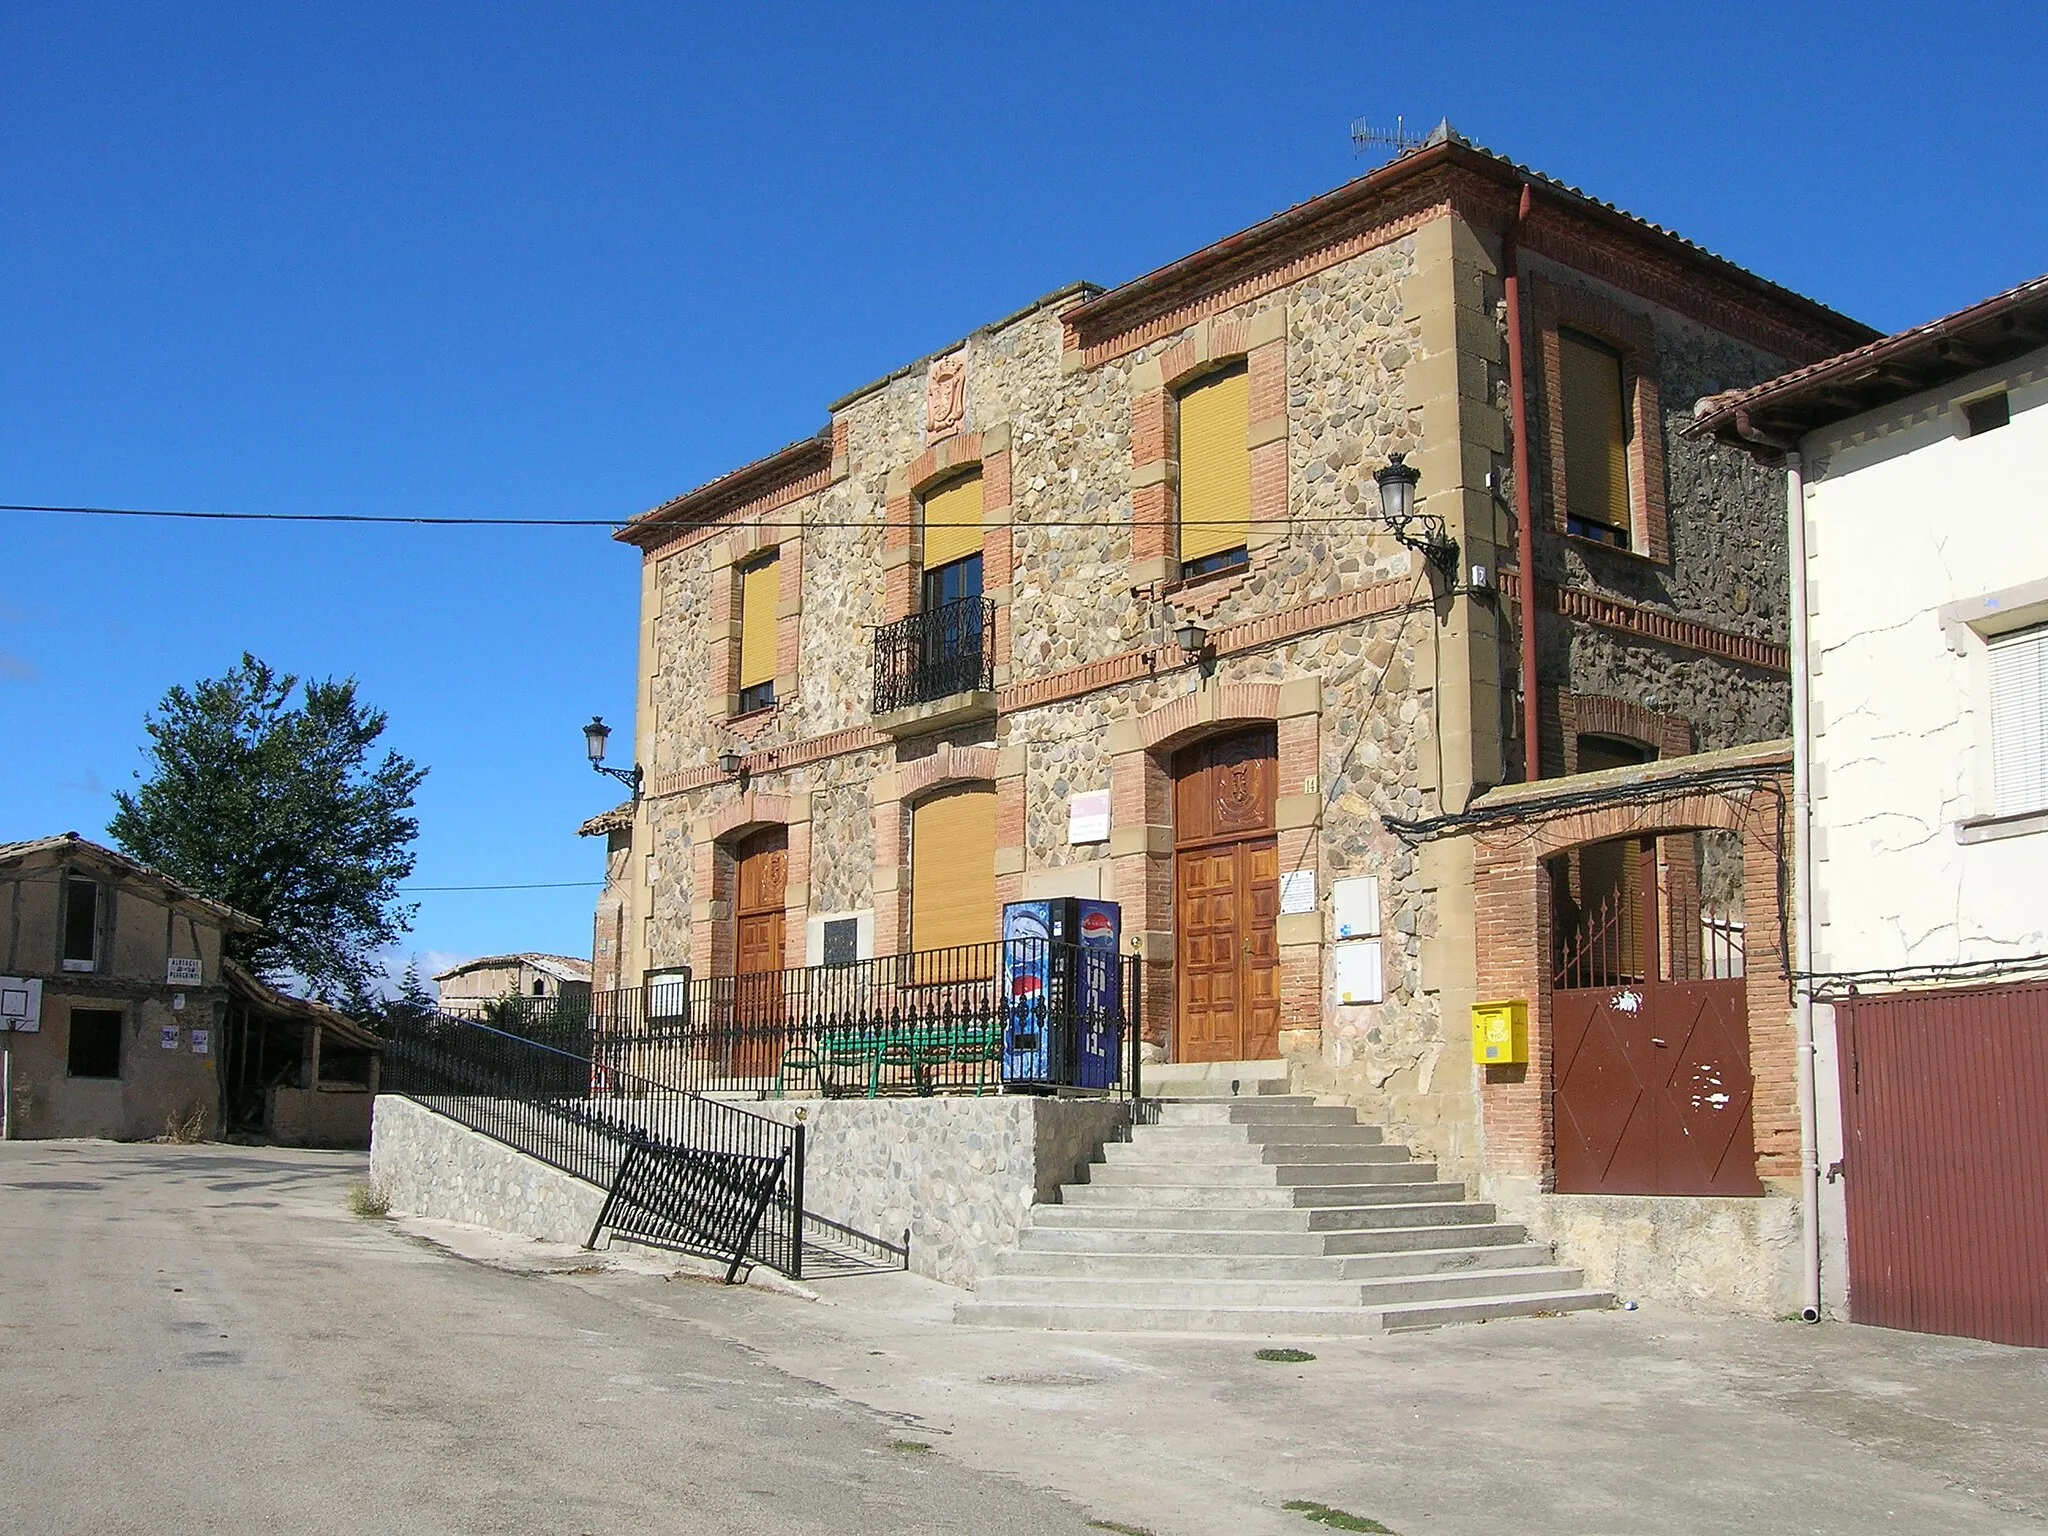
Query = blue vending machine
x=1098 y=994
x=1031 y=1054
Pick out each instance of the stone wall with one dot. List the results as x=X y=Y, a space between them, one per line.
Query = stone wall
x=428 y=1165
x=321 y=1117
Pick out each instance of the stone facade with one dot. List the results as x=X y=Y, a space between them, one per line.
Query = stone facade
x=428 y=1165
x=1370 y=323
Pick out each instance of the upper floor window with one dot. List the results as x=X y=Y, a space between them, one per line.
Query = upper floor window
x=760 y=590
x=2019 y=720
x=1987 y=413
x=81 y=925
x=1596 y=437
x=952 y=541
x=1215 y=471
x=540 y=988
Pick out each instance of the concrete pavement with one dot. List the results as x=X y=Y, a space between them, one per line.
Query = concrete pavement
x=399 y=1376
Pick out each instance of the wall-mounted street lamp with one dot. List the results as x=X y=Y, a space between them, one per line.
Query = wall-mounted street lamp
x=595 y=735
x=1194 y=639
x=1422 y=532
x=731 y=764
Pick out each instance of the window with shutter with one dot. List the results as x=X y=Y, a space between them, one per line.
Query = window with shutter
x=760 y=589
x=953 y=868
x=1215 y=471
x=1595 y=412
x=952 y=521
x=2019 y=720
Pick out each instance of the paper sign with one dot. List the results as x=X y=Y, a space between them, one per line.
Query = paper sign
x=1358 y=973
x=167 y=1037
x=1298 y=891
x=199 y=1042
x=1088 y=817
x=21 y=1004
x=1356 y=905
x=183 y=972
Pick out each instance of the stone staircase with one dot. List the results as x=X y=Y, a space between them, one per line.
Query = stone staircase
x=1253 y=1212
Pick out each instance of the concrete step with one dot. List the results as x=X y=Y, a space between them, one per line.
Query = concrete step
x=1210 y=1291
x=1132 y=1171
x=1156 y=1146
x=1434 y=1314
x=1366 y=1242
x=1275 y=1267
x=1274 y=1111
x=1213 y=1079
x=1248 y=1322
x=1442 y=1213
x=1130 y=1195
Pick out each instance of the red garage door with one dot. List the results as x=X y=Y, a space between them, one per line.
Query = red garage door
x=1945 y=1120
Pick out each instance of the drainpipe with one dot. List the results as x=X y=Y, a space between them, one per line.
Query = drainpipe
x=1802 y=892
x=1525 y=531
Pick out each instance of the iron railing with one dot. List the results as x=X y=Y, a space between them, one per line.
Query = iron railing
x=931 y=655
x=979 y=1018
x=679 y=1170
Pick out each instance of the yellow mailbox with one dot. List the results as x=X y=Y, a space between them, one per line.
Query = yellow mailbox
x=1500 y=1033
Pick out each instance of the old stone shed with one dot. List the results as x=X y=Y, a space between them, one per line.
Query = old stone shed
x=931 y=635
x=133 y=997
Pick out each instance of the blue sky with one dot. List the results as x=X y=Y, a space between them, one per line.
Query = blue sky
x=533 y=260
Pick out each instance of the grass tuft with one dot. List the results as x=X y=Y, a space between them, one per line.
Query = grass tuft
x=1120 y=1528
x=912 y=1447
x=188 y=1128
x=366 y=1199
x=1285 y=1356
x=1335 y=1519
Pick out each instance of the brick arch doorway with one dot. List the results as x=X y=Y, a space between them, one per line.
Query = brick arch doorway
x=1226 y=898
x=760 y=886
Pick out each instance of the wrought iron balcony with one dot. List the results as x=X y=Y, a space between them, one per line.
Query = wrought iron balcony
x=940 y=654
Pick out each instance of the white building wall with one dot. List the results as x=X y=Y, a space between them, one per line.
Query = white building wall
x=1904 y=519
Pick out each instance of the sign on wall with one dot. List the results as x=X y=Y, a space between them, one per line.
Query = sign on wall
x=21 y=1004
x=183 y=972
x=199 y=1042
x=167 y=1036
x=1088 y=817
x=1298 y=891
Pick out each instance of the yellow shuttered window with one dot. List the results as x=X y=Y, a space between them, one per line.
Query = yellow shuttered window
x=1595 y=411
x=952 y=522
x=953 y=869
x=1215 y=468
x=760 y=588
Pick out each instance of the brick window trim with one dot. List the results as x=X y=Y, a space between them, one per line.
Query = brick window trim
x=1259 y=342
x=1566 y=307
x=730 y=558
x=1572 y=715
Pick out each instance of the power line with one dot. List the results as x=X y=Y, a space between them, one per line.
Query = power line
x=799 y=524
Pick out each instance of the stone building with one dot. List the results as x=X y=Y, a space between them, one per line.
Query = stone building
x=490 y=978
x=115 y=993
x=936 y=636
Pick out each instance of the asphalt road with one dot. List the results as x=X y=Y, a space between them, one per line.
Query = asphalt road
x=202 y=1339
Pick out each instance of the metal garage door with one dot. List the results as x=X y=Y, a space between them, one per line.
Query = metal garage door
x=1945 y=1121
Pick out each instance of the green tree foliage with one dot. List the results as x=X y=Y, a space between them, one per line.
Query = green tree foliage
x=274 y=808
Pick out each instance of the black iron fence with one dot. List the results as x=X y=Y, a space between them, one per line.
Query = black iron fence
x=930 y=655
x=1018 y=1014
x=682 y=1171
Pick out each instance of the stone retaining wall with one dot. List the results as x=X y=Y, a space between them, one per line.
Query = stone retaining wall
x=428 y=1165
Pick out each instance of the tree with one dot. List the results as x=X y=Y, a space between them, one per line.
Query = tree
x=275 y=810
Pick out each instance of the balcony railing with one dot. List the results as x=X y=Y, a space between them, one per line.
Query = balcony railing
x=936 y=654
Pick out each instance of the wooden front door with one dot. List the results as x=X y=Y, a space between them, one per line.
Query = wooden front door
x=758 y=1014
x=1226 y=897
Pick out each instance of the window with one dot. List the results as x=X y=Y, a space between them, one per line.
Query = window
x=1596 y=435
x=2019 y=720
x=1215 y=471
x=540 y=988
x=952 y=542
x=760 y=589
x=81 y=925
x=1987 y=414
x=953 y=868
x=95 y=1049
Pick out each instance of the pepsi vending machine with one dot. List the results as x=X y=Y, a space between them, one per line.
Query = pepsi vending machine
x=1062 y=1023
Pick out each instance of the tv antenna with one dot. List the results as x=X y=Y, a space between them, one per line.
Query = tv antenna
x=1400 y=140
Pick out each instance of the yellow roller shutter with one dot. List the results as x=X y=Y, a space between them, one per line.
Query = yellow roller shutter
x=953 y=869
x=760 y=588
x=952 y=522
x=1595 y=433
x=1215 y=464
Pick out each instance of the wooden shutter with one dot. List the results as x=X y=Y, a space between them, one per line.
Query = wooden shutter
x=1595 y=432
x=1215 y=464
x=2019 y=720
x=952 y=522
x=953 y=869
x=760 y=589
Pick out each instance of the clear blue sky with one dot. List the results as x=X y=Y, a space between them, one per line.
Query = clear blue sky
x=548 y=260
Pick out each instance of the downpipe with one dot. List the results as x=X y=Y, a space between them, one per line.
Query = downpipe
x=1802 y=895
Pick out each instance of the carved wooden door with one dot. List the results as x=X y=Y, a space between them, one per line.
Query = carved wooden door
x=1226 y=900
x=759 y=1014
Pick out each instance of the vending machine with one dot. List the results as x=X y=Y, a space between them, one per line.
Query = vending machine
x=1063 y=1021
